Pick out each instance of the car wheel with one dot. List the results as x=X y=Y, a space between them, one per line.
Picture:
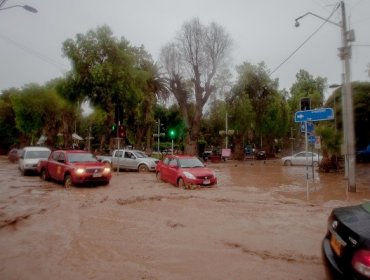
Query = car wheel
x=143 y=168
x=288 y=163
x=43 y=175
x=68 y=181
x=159 y=176
x=181 y=183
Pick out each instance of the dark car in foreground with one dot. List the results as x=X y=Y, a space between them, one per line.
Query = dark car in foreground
x=346 y=246
x=185 y=172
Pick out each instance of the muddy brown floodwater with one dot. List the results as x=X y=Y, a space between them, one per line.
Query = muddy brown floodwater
x=256 y=224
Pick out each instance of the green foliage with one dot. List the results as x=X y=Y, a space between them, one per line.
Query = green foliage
x=262 y=109
x=8 y=131
x=307 y=86
x=330 y=140
x=38 y=110
x=361 y=104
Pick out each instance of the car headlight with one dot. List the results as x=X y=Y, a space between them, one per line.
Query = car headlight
x=189 y=175
x=80 y=171
x=106 y=170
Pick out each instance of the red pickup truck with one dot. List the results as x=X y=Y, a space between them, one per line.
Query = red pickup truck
x=74 y=167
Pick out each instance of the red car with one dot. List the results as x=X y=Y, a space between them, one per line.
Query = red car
x=14 y=154
x=74 y=167
x=185 y=171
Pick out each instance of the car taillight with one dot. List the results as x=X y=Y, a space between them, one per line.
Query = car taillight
x=361 y=262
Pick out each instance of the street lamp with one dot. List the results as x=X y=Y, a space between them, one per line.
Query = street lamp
x=348 y=123
x=26 y=7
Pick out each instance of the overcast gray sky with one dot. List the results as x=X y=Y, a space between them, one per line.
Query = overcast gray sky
x=263 y=30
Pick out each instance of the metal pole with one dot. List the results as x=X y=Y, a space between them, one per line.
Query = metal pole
x=159 y=131
x=344 y=125
x=226 y=131
x=172 y=147
x=350 y=131
x=306 y=144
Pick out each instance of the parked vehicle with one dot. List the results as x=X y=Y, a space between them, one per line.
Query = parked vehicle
x=302 y=158
x=30 y=157
x=346 y=246
x=74 y=167
x=363 y=155
x=185 y=171
x=261 y=155
x=130 y=159
x=14 y=154
x=206 y=155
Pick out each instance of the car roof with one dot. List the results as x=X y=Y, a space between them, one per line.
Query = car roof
x=181 y=156
x=73 y=151
x=36 y=148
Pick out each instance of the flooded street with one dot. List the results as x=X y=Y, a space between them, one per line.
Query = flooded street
x=256 y=224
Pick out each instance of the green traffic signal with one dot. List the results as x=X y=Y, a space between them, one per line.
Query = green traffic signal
x=172 y=133
x=114 y=127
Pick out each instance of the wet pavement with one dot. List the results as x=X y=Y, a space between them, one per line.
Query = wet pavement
x=258 y=223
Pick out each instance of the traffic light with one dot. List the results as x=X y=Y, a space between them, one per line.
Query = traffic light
x=172 y=133
x=305 y=104
x=113 y=130
x=121 y=131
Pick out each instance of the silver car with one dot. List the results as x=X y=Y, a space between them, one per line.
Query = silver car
x=302 y=158
x=30 y=157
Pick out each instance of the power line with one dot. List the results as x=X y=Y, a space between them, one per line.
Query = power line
x=36 y=54
x=304 y=42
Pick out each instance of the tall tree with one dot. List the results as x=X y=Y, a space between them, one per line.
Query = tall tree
x=103 y=72
x=268 y=104
x=38 y=111
x=192 y=62
x=8 y=130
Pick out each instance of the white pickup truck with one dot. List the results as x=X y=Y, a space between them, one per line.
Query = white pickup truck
x=130 y=159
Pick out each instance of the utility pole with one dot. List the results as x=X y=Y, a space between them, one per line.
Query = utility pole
x=347 y=102
x=348 y=122
x=159 y=132
x=226 y=131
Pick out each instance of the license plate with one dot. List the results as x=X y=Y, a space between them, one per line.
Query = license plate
x=95 y=175
x=206 y=182
x=335 y=244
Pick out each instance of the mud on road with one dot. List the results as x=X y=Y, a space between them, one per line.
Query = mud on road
x=256 y=224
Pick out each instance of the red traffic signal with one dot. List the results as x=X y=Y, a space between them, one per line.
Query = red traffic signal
x=121 y=131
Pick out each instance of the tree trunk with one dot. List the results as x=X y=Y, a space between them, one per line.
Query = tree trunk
x=238 y=148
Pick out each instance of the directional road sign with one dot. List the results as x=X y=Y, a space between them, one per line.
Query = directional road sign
x=323 y=114
x=310 y=127
x=312 y=139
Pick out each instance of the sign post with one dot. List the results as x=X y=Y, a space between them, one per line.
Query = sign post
x=306 y=116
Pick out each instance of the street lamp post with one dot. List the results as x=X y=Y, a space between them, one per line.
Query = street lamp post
x=26 y=7
x=226 y=131
x=347 y=103
x=159 y=132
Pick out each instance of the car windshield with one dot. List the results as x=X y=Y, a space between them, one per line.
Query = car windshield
x=190 y=162
x=366 y=206
x=81 y=157
x=37 y=154
x=140 y=155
